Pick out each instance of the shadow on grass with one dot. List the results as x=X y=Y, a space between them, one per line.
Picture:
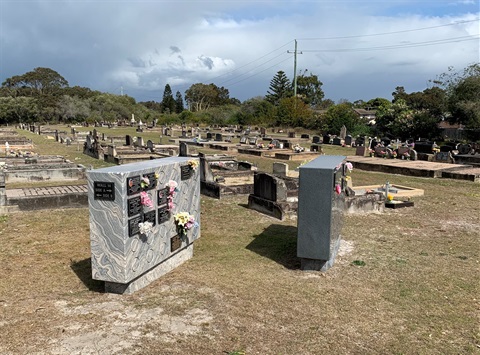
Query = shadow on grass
x=278 y=243
x=83 y=269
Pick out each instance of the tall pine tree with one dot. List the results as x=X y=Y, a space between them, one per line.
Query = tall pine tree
x=280 y=88
x=179 y=103
x=168 y=102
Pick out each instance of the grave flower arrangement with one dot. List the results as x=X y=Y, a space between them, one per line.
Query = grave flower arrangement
x=184 y=221
x=193 y=164
x=406 y=155
x=145 y=199
x=144 y=182
x=145 y=227
x=372 y=153
x=172 y=189
x=390 y=198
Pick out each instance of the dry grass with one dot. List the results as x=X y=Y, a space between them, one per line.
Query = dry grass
x=417 y=292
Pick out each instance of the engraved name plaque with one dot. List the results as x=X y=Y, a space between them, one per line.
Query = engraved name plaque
x=162 y=196
x=133 y=226
x=104 y=190
x=163 y=214
x=133 y=185
x=150 y=217
x=134 y=206
x=185 y=172
x=175 y=243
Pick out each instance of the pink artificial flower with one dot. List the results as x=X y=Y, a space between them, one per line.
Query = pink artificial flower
x=172 y=184
x=338 y=189
x=145 y=199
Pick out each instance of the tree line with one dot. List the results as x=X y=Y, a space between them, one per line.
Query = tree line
x=43 y=95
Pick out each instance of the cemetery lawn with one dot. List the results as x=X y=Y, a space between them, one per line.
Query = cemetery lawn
x=406 y=282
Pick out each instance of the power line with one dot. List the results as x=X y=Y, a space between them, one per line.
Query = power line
x=388 y=33
x=397 y=46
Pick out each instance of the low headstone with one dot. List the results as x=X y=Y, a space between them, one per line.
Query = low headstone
x=209 y=135
x=326 y=139
x=150 y=146
x=292 y=134
x=462 y=148
x=244 y=140
x=444 y=157
x=134 y=235
x=321 y=202
x=128 y=140
x=280 y=168
x=316 y=139
x=362 y=151
x=337 y=141
x=348 y=140
x=183 y=150
x=305 y=136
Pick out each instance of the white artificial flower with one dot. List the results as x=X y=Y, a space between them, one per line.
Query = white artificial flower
x=145 y=227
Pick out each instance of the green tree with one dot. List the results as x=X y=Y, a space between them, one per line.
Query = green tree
x=40 y=81
x=200 y=97
x=280 y=88
x=340 y=115
x=168 y=102
x=73 y=109
x=309 y=89
x=292 y=112
x=18 y=109
x=179 y=103
x=399 y=93
x=256 y=111
x=395 y=119
x=464 y=101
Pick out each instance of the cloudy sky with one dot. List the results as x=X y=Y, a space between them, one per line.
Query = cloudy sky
x=358 y=49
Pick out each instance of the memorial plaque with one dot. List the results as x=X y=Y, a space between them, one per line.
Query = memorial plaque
x=162 y=196
x=163 y=214
x=134 y=206
x=175 y=243
x=133 y=185
x=185 y=172
x=133 y=226
x=152 y=180
x=150 y=217
x=104 y=191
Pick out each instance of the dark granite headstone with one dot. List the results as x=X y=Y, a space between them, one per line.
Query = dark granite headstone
x=183 y=149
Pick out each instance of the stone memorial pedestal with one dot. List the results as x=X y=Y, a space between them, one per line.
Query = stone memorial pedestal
x=321 y=204
x=133 y=233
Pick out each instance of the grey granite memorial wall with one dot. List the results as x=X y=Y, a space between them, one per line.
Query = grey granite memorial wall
x=321 y=202
x=134 y=235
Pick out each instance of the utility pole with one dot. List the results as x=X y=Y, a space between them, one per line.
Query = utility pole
x=295 y=69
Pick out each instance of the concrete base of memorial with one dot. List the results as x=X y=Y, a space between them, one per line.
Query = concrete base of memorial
x=152 y=274
x=320 y=265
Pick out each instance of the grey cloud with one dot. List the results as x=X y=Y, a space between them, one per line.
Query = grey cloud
x=175 y=49
x=206 y=61
x=137 y=62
